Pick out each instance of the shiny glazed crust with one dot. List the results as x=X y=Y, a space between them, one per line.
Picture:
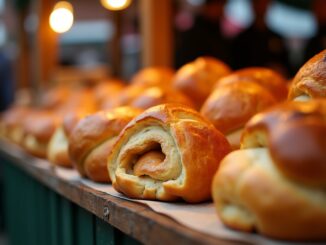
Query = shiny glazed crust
x=153 y=96
x=275 y=184
x=197 y=79
x=269 y=79
x=192 y=148
x=230 y=106
x=310 y=79
x=153 y=76
x=90 y=141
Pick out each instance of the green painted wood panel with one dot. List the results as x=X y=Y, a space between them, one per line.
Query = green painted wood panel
x=36 y=215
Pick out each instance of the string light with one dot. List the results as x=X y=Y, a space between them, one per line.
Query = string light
x=115 y=4
x=61 y=18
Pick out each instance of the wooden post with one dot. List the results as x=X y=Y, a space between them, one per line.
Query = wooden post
x=116 y=52
x=156 y=31
x=44 y=55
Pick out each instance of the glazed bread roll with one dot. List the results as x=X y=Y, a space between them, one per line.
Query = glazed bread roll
x=197 y=79
x=310 y=81
x=82 y=102
x=11 y=123
x=91 y=141
x=168 y=152
x=107 y=91
x=55 y=97
x=275 y=83
x=230 y=107
x=153 y=76
x=39 y=127
x=153 y=96
x=276 y=183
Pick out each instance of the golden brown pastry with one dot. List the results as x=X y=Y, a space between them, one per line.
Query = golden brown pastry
x=55 y=97
x=231 y=105
x=276 y=183
x=310 y=81
x=153 y=76
x=11 y=123
x=168 y=152
x=39 y=127
x=153 y=96
x=275 y=83
x=91 y=141
x=107 y=91
x=197 y=79
x=81 y=103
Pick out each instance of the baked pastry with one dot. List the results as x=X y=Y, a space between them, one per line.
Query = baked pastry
x=81 y=103
x=11 y=123
x=275 y=184
x=91 y=141
x=107 y=91
x=153 y=76
x=310 y=81
x=168 y=152
x=274 y=82
x=197 y=79
x=153 y=96
x=55 y=97
x=231 y=105
x=38 y=128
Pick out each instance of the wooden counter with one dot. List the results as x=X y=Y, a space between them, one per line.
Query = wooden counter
x=136 y=221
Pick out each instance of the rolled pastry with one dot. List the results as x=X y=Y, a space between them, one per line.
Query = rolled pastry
x=91 y=141
x=197 y=79
x=168 y=152
x=275 y=184
x=310 y=81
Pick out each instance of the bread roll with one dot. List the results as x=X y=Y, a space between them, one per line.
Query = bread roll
x=91 y=141
x=230 y=107
x=82 y=102
x=310 y=81
x=11 y=123
x=153 y=76
x=197 y=79
x=153 y=96
x=274 y=82
x=168 y=152
x=39 y=127
x=275 y=184
x=107 y=91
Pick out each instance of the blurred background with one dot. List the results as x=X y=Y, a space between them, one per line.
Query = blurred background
x=47 y=42
x=42 y=42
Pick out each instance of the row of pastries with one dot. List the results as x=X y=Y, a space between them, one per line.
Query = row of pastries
x=240 y=137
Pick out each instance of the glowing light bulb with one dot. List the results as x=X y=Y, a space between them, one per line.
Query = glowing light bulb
x=115 y=4
x=61 y=18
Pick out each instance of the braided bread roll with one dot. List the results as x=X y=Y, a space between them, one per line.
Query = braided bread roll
x=168 y=152
x=276 y=183
x=197 y=79
x=310 y=81
x=91 y=141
